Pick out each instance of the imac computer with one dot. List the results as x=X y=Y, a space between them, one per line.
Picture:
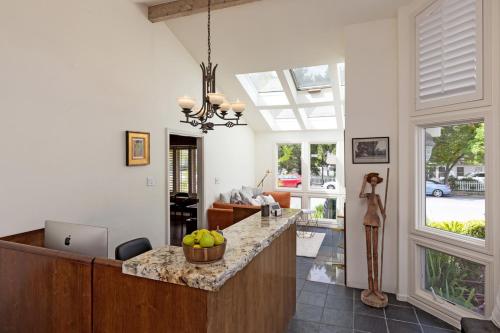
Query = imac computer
x=77 y=238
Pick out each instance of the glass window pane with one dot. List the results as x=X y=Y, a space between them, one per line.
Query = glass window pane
x=281 y=119
x=311 y=77
x=320 y=117
x=460 y=281
x=323 y=166
x=325 y=208
x=455 y=203
x=289 y=165
x=266 y=82
x=296 y=202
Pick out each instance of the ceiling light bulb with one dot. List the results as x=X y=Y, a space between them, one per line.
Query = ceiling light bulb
x=225 y=106
x=215 y=98
x=185 y=102
x=238 y=106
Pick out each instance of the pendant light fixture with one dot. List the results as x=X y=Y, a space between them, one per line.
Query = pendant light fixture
x=214 y=104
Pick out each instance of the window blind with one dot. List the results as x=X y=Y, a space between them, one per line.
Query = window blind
x=448 y=50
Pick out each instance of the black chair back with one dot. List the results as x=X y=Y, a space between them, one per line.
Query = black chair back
x=132 y=248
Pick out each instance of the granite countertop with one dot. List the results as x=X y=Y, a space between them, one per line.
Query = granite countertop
x=245 y=240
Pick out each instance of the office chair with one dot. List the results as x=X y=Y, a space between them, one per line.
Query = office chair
x=132 y=248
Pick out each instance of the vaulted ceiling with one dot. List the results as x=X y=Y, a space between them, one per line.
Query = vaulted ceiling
x=274 y=35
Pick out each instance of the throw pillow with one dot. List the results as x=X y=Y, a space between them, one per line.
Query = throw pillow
x=267 y=199
x=225 y=197
x=255 y=202
x=255 y=190
x=235 y=197
x=246 y=196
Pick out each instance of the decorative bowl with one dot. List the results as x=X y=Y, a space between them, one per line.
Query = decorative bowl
x=204 y=255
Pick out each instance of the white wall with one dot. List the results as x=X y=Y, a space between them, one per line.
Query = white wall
x=75 y=76
x=371 y=110
x=265 y=151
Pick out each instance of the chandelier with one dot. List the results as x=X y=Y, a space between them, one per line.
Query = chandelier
x=214 y=104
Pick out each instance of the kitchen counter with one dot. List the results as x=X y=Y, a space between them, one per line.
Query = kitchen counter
x=245 y=240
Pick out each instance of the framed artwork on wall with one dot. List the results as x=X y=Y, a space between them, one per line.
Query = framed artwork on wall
x=137 y=148
x=370 y=150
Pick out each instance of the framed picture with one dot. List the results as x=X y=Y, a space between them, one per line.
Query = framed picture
x=137 y=148
x=370 y=150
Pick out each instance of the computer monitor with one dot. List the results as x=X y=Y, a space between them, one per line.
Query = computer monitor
x=78 y=238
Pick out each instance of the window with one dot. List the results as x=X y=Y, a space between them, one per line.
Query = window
x=325 y=208
x=323 y=162
x=449 y=56
x=182 y=173
x=455 y=205
x=459 y=281
x=319 y=117
x=296 y=202
x=311 y=78
x=264 y=88
x=460 y=171
x=266 y=82
x=289 y=166
x=281 y=119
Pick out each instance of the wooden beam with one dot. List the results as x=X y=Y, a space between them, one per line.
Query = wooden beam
x=179 y=8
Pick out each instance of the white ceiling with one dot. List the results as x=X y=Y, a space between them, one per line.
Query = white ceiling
x=275 y=35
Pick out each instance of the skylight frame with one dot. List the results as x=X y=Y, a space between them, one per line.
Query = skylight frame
x=298 y=87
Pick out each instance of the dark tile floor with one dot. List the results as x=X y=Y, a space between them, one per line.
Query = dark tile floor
x=333 y=308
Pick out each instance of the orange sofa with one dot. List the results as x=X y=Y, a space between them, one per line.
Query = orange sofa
x=223 y=215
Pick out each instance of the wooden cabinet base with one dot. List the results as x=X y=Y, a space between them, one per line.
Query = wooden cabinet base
x=258 y=299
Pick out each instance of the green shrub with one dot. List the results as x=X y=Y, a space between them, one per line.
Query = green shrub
x=472 y=228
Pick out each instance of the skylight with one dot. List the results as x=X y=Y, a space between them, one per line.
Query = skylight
x=319 y=117
x=264 y=88
x=281 y=119
x=266 y=82
x=311 y=78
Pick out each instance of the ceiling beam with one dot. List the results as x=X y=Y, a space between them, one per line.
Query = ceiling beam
x=179 y=8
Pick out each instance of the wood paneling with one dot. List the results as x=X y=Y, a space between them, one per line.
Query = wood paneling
x=260 y=298
x=180 y=8
x=35 y=238
x=124 y=303
x=43 y=290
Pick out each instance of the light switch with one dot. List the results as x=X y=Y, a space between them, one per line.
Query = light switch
x=150 y=181
x=217 y=180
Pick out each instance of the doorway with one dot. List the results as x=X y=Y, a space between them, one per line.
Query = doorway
x=185 y=185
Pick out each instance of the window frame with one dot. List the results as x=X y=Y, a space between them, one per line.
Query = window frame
x=296 y=83
x=426 y=298
x=419 y=226
x=176 y=170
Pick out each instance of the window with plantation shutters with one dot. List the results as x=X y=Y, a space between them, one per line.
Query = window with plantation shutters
x=449 y=53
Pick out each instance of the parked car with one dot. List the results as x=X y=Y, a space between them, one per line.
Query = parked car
x=289 y=181
x=329 y=185
x=436 y=189
x=478 y=176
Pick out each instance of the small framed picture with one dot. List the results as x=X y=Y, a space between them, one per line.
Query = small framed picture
x=137 y=148
x=370 y=150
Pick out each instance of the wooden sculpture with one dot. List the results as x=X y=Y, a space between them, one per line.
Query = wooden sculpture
x=373 y=296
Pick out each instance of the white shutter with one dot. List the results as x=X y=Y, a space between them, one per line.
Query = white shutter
x=449 y=53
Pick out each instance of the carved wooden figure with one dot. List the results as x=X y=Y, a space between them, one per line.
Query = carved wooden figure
x=373 y=295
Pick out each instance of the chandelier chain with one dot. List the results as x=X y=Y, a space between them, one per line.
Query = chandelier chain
x=209 y=36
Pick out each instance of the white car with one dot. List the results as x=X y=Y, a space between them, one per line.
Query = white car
x=329 y=185
x=478 y=176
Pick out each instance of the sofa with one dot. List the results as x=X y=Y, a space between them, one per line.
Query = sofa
x=223 y=215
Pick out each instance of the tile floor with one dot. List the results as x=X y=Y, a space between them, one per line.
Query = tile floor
x=327 y=307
